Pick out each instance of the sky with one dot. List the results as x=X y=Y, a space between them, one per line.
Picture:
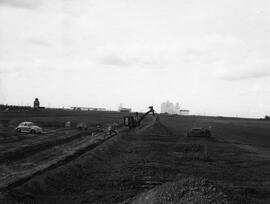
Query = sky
x=211 y=56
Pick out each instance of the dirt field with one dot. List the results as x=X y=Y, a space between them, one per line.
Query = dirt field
x=24 y=155
x=155 y=163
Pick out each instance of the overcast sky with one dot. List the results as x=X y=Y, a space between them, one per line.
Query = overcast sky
x=211 y=56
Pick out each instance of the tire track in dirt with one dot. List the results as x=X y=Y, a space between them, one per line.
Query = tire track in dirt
x=59 y=163
x=29 y=150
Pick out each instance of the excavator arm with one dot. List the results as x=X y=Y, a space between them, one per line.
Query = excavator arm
x=133 y=122
x=145 y=114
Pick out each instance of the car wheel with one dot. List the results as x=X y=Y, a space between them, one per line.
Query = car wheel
x=33 y=132
x=18 y=130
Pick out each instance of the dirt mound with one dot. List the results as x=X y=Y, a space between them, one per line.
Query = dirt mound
x=154 y=128
x=188 y=190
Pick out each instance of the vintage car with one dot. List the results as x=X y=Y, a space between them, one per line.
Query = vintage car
x=28 y=127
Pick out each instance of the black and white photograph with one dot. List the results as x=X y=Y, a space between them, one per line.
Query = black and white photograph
x=134 y=101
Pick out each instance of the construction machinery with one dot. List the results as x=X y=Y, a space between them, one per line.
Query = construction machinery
x=199 y=132
x=135 y=121
x=81 y=126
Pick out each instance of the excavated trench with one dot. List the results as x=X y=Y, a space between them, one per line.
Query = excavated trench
x=140 y=164
x=55 y=165
x=29 y=150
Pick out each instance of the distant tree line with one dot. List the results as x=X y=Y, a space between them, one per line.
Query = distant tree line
x=16 y=108
x=267 y=117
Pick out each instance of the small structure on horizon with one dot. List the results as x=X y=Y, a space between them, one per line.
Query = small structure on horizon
x=184 y=112
x=36 y=104
x=123 y=110
x=87 y=109
x=170 y=108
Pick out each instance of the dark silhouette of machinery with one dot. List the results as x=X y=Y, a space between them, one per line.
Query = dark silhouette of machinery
x=135 y=121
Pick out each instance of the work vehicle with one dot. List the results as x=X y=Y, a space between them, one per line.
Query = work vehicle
x=199 y=132
x=135 y=121
x=28 y=127
x=82 y=126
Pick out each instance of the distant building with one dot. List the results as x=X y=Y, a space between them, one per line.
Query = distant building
x=101 y=109
x=170 y=108
x=177 y=108
x=87 y=109
x=123 y=110
x=36 y=104
x=184 y=112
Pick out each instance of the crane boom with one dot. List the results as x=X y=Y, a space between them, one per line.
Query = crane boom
x=133 y=122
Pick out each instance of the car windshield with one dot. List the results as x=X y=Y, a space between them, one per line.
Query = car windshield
x=28 y=123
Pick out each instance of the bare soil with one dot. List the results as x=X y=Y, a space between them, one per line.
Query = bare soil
x=158 y=164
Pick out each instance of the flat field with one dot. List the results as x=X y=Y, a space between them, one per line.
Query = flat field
x=155 y=163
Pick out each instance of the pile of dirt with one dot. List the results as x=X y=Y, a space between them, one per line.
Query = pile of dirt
x=188 y=190
x=154 y=128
